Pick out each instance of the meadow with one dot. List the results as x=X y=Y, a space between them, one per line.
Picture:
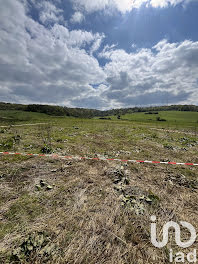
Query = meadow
x=69 y=211
x=175 y=119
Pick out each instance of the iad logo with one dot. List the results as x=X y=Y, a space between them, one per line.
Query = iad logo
x=191 y=257
x=174 y=225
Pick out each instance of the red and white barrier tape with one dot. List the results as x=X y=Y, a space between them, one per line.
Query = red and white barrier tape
x=106 y=159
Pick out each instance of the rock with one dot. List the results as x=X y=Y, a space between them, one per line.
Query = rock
x=118 y=188
x=116 y=181
x=142 y=198
x=42 y=183
x=49 y=187
x=148 y=200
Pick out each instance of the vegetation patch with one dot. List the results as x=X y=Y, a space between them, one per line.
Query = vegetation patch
x=43 y=186
x=46 y=150
x=37 y=245
x=181 y=180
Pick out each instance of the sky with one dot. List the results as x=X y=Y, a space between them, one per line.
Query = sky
x=100 y=54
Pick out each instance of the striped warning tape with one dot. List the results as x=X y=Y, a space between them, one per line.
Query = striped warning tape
x=88 y=158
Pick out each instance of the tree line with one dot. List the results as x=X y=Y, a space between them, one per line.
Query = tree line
x=90 y=113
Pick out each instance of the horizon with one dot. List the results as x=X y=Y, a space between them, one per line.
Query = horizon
x=104 y=110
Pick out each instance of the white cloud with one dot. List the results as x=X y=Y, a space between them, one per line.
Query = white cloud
x=74 y=38
x=51 y=65
x=122 y=5
x=43 y=65
x=97 y=43
x=168 y=72
x=49 y=12
x=165 y=3
x=90 y=5
x=77 y=17
x=127 y=5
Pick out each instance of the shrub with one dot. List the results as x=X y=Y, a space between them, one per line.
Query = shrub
x=46 y=150
x=160 y=119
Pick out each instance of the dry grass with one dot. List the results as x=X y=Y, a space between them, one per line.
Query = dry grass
x=83 y=213
x=94 y=211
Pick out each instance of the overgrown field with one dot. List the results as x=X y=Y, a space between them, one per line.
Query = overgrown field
x=67 y=211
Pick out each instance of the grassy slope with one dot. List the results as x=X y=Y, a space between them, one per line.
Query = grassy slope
x=12 y=117
x=173 y=118
x=84 y=213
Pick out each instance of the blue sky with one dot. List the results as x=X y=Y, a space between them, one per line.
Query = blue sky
x=99 y=54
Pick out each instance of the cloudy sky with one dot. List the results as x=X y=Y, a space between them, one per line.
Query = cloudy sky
x=99 y=53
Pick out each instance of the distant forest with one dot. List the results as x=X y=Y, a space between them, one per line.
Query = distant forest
x=89 y=113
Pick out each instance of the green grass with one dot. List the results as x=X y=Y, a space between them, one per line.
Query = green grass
x=69 y=135
x=173 y=118
x=25 y=209
x=11 y=117
x=22 y=211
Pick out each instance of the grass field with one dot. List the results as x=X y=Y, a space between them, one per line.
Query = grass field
x=58 y=211
x=177 y=119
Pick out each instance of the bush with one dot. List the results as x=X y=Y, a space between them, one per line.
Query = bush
x=151 y=113
x=46 y=150
x=160 y=119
